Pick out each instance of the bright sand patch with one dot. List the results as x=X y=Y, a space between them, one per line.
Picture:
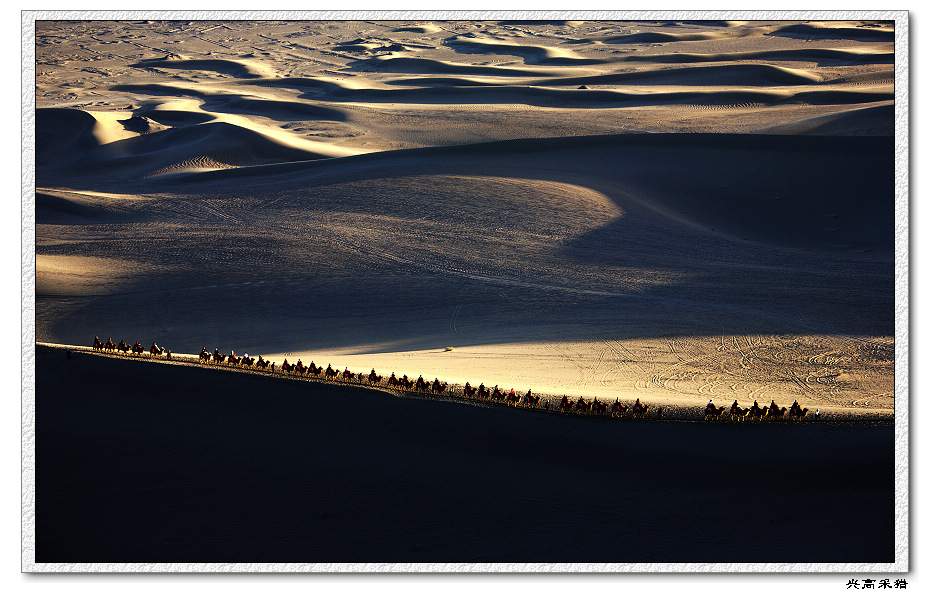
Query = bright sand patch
x=76 y=275
x=834 y=374
x=146 y=462
x=675 y=211
x=671 y=211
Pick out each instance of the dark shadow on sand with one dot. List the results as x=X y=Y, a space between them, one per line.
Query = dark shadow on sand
x=141 y=462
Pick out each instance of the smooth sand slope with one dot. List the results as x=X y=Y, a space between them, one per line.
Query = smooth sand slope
x=239 y=186
x=147 y=462
x=669 y=211
x=606 y=283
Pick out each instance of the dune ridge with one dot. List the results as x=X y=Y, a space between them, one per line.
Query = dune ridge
x=411 y=226
x=675 y=212
x=538 y=96
x=486 y=186
x=662 y=37
x=410 y=65
x=235 y=68
x=817 y=55
x=252 y=447
x=531 y=54
x=865 y=32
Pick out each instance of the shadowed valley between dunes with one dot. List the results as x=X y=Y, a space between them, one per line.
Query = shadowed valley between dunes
x=674 y=211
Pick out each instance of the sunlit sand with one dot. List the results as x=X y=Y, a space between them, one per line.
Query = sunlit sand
x=674 y=212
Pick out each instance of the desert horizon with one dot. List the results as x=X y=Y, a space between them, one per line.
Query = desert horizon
x=673 y=212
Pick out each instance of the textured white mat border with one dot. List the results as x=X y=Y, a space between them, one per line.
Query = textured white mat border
x=902 y=287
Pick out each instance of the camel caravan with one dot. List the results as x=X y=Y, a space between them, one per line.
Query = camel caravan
x=755 y=413
x=494 y=395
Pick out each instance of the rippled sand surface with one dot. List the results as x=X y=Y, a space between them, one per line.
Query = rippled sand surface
x=671 y=211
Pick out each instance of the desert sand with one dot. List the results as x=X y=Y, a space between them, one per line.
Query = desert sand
x=665 y=211
x=141 y=462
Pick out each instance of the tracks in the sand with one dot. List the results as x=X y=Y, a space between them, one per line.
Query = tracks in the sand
x=452 y=393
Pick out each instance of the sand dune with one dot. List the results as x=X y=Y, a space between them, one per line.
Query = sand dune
x=82 y=276
x=249 y=469
x=534 y=95
x=427 y=66
x=531 y=54
x=744 y=75
x=662 y=37
x=815 y=55
x=481 y=165
x=210 y=145
x=730 y=74
x=455 y=217
x=862 y=32
x=674 y=211
x=57 y=207
x=422 y=29
x=63 y=134
x=277 y=110
x=234 y=68
x=868 y=120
